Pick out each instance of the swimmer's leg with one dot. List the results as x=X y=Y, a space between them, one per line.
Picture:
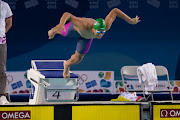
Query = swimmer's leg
x=83 y=46
x=75 y=59
x=55 y=30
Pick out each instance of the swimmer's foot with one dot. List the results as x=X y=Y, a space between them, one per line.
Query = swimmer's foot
x=66 y=73
x=52 y=33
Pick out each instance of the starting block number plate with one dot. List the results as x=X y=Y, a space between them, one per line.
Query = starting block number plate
x=60 y=95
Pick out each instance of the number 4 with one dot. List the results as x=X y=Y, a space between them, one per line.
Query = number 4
x=56 y=94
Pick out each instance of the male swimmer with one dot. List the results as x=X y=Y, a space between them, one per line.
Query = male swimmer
x=85 y=29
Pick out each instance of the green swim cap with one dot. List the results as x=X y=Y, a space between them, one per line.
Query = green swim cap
x=100 y=24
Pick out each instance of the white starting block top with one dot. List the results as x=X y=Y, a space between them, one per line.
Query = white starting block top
x=48 y=83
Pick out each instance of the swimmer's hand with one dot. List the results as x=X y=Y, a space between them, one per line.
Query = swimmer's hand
x=134 y=20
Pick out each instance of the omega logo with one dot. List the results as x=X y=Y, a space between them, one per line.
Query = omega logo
x=165 y=113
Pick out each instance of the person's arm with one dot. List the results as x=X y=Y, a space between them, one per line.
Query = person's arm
x=68 y=16
x=116 y=12
x=8 y=23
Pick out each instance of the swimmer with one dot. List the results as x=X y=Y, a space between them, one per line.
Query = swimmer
x=85 y=29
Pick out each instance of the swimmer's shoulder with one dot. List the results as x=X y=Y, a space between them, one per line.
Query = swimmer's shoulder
x=88 y=19
x=88 y=22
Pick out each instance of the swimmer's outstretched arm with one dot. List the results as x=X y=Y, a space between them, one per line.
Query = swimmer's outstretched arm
x=116 y=12
x=68 y=16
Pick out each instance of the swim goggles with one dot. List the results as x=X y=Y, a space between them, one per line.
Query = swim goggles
x=100 y=32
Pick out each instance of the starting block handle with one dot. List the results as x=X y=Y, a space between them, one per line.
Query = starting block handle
x=53 y=90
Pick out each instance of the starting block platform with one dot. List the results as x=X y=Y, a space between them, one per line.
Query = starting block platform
x=48 y=84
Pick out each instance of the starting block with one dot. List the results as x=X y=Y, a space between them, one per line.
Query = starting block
x=48 y=84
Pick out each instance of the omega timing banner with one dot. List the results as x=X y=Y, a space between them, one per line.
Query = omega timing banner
x=71 y=112
x=166 y=112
